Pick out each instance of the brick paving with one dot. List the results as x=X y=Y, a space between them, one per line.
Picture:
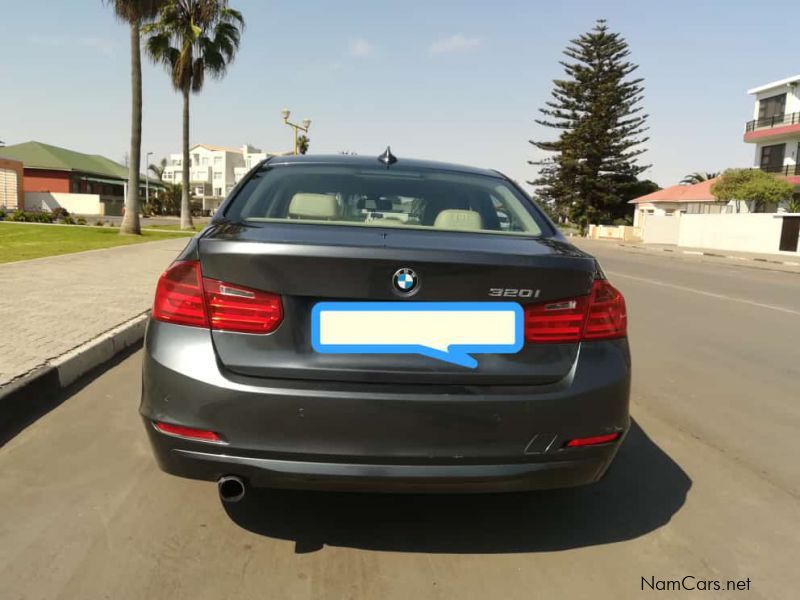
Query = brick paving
x=51 y=305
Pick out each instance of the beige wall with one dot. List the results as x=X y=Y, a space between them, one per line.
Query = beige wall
x=82 y=204
x=754 y=232
x=662 y=229
x=615 y=232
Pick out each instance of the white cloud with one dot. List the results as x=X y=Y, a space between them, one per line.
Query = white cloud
x=361 y=48
x=454 y=43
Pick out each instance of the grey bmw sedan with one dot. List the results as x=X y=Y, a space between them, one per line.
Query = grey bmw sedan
x=384 y=324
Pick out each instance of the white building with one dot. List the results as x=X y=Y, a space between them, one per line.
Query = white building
x=213 y=170
x=690 y=215
x=775 y=128
x=252 y=156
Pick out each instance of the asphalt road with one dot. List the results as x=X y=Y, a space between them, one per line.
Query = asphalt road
x=707 y=484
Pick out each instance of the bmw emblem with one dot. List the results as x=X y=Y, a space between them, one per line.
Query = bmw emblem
x=405 y=281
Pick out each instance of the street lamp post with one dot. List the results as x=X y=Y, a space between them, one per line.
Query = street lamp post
x=297 y=128
x=147 y=179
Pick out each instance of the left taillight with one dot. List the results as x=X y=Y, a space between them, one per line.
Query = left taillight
x=179 y=295
x=240 y=309
x=185 y=297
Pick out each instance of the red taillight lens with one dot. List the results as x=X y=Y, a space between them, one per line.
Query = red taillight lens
x=560 y=321
x=185 y=297
x=179 y=295
x=234 y=308
x=591 y=441
x=188 y=432
x=600 y=315
x=607 y=316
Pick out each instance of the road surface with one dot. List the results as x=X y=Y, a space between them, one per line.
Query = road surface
x=707 y=485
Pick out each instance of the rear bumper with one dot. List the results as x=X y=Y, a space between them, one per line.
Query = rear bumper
x=380 y=437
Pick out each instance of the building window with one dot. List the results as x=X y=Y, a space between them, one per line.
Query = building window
x=217 y=174
x=774 y=106
x=218 y=191
x=204 y=162
x=772 y=158
x=217 y=160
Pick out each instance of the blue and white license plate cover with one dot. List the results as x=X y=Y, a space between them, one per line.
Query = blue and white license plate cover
x=447 y=331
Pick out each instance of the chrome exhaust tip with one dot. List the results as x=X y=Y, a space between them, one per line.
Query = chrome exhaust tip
x=231 y=488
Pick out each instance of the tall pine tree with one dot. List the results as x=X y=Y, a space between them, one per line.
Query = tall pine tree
x=593 y=164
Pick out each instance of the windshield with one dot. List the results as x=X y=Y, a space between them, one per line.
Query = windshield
x=421 y=199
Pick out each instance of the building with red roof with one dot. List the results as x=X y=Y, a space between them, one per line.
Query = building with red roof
x=691 y=199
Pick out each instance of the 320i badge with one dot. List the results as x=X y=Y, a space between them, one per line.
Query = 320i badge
x=384 y=325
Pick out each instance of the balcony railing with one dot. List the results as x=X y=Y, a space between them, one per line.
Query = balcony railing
x=777 y=121
x=782 y=169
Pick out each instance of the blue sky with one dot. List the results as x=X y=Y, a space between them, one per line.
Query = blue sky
x=455 y=81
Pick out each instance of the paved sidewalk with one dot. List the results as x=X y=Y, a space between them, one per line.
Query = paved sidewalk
x=52 y=305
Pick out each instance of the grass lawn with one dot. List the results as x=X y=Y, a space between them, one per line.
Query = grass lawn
x=21 y=241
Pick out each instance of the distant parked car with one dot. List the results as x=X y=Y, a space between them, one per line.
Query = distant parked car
x=302 y=342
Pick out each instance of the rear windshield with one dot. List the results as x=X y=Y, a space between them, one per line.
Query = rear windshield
x=332 y=194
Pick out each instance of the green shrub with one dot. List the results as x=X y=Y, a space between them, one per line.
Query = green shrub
x=68 y=220
x=2 y=214
x=99 y=223
x=81 y=221
x=30 y=217
x=58 y=213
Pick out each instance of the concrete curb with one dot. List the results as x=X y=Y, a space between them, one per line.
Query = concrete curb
x=714 y=254
x=23 y=399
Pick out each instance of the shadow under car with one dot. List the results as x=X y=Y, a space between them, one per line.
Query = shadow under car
x=642 y=490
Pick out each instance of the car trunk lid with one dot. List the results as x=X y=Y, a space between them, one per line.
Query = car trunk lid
x=308 y=264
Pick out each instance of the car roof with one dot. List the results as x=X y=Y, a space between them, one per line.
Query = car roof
x=402 y=164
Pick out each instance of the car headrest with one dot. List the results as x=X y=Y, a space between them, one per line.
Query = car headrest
x=458 y=219
x=313 y=206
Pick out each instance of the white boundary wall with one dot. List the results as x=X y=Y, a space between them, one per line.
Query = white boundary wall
x=81 y=204
x=662 y=229
x=754 y=232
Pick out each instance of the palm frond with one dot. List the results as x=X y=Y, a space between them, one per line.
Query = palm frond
x=133 y=11
x=195 y=38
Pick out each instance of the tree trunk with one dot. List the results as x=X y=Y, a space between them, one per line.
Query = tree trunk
x=130 y=222
x=186 y=206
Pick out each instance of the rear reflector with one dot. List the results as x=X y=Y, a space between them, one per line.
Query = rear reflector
x=188 y=432
x=185 y=297
x=591 y=441
x=600 y=315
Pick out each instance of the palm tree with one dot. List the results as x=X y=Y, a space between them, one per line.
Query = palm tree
x=302 y=144
x=698 y=177
x=158 y=169
x=192 y=38
x=136 y=13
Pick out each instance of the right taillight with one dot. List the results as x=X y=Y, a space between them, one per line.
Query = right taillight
x=600 y=315
x=185 y=297
x=607 y=317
